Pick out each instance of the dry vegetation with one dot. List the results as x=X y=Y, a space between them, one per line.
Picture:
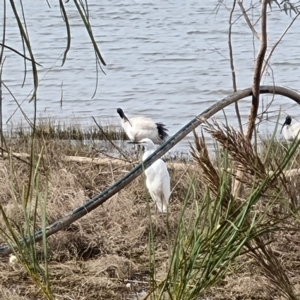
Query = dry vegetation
x=105 y=255
x=250 y=233
x=96 y=256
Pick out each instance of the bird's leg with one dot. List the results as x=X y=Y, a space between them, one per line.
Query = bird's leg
x=137 y=148
x=137 y=152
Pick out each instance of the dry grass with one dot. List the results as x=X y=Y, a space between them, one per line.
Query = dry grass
x=105 y=255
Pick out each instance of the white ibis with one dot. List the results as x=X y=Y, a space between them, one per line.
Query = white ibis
x=139 y=128
x=290 y=131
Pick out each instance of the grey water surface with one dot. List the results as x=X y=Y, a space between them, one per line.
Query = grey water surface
x=168 y=60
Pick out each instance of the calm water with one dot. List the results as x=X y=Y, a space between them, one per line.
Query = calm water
x=165 y=59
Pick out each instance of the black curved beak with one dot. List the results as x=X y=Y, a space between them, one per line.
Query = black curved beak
x=127 y=120
x=282 y=126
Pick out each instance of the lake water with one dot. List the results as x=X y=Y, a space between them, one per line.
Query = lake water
x=165 y=59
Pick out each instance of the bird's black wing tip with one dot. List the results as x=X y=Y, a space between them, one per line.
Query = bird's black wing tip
x=162 y=130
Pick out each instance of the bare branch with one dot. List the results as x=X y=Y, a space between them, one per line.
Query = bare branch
x=233 y=75
x=278 y=42
x=240 y=3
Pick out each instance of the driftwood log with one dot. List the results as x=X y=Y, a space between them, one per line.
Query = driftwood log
x=119 y=163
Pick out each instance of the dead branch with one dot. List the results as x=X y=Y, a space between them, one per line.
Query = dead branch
x=233 y=75
x=240 y=3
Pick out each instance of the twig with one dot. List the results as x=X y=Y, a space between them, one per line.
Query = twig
x=278 y=42
x=109 y=156
x=111 y=142
x=233 y=75
x=178 y=181
x=240 y=3
x=18 y=106
x=266 y=109
x=15 y=156
x=19 y=53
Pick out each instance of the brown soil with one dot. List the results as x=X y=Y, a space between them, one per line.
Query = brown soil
x=105 y=255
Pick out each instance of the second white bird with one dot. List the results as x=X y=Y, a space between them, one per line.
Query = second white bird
x=157 y=178
x=290 y=131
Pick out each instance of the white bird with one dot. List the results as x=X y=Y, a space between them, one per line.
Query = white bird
x=157 y=178
x=290 y=132
x=139 y=128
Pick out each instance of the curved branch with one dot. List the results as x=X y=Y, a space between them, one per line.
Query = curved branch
x=134 y=173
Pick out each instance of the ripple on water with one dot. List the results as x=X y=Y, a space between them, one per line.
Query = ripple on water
x=166 y=60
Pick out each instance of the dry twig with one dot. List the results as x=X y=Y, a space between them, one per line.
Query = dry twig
x=240 y=3
x=233 y=74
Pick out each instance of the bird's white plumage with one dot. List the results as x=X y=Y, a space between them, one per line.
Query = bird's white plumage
x=138 y=128
x=290 y=131
x=157 y=178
